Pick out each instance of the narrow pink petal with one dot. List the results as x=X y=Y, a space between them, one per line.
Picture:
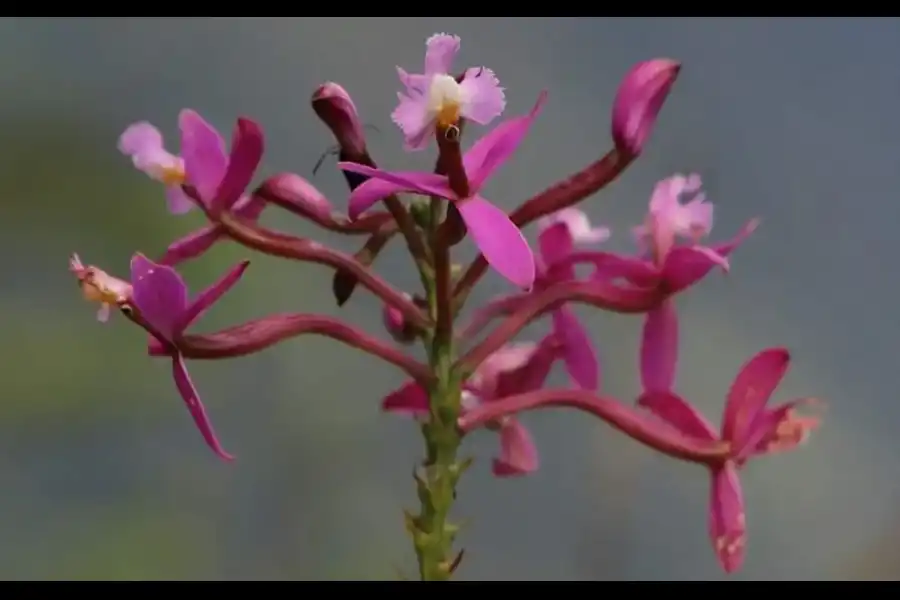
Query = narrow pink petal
x=198 y=412
x=578 y=351
x=250 y=207
x=494 y=148
x=139 y=137
x=191 y=246
x=159 y=294
x=441 y=49
x=754 y=385
x=365 y=195
x=410 y=181
x=413 y=119
x=247 y=147
x=177 y=201
x=677 y=412
x=518 y=453
x=499 y=240
x=727 y=518
x=212 y=294
x=686 y=265
x=555 y=244
x=203 y=151
x=659 y=348
x=485 y=99
x=410 y=399
x=526 y=368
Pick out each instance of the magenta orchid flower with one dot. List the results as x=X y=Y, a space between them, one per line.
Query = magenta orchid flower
x=751 y=428
x=217 y=177
x=514 y=369
x=161 y=297
x=435 y=96
x=497 y=237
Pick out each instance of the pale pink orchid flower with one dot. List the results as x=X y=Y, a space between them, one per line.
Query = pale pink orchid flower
x=750 y=427
x=99 y=286
x=514 y=369
x=496 y=236
x=436 y=98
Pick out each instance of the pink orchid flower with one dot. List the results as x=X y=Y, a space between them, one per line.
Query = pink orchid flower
x=435 y=97
x=203 y=163
x=497 y=237
x=99 y=286
x=559 y=234
x=514 y=369
x=161 y=297
x=751 y=428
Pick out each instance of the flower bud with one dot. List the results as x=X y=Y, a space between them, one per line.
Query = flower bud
x=397 y=326
x=334 y=106
x=638 y=101
x=296 y=191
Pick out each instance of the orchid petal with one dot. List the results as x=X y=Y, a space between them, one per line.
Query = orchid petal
x=659 y=348
x=509 y=358
x=384 y=183
x=409 y=398
x=493 y=149
x=247 y=147
x=177 y=201
x=578 y=351
x=555 y=243
x=414 y=120
x=440 y=50
x=212 y=294
x=727 y=518
x=485 y=99
x=518 y=453
x=140 y=137
x=203 y=150
x=686 y=265
x=499 y=240
x=159 y=293
x=191 y=246
x=195 y=406
x=521 y=368
x=677 y=412
x=752 y=387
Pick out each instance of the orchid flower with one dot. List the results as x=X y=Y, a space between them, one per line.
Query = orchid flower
x=497 y=237
x=514 y=369
x=161 y=299
x=559 y=234
x=435 y=96
x=203 y=163
x=751 y=428
x=639 y=100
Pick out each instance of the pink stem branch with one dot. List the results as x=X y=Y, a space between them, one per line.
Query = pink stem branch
x=260 y=334
x=600 y=294
x=637 y=424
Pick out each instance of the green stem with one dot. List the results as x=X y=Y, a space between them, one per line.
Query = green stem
x=433 y=533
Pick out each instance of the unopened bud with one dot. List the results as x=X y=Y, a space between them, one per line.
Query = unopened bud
x=296 y=191
x=638 y=101
x=333 y=105
x=397 y=326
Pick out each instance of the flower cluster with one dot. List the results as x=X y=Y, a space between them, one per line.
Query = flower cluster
x=470 y=381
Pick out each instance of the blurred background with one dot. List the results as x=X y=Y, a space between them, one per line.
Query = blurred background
x=104 y=476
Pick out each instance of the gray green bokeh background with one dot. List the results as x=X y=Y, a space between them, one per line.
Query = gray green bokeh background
x=103 y=474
